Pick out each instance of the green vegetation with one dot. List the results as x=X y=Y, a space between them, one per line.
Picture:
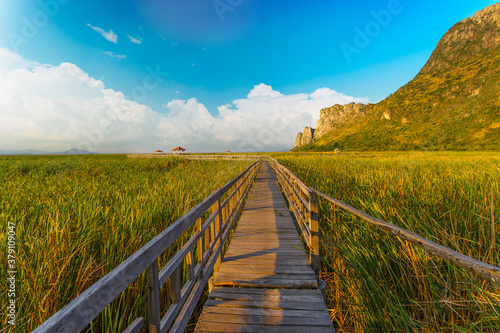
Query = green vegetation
x=78 y=217
x=379 y=283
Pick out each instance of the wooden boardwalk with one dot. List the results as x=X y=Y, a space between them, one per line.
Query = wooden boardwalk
x=265 y=283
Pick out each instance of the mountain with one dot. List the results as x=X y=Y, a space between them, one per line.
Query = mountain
x=73 y=151
x=22 y=152
x=452 y=104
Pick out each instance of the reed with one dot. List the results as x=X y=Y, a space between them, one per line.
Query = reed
x=79 y=217
x=379 y=283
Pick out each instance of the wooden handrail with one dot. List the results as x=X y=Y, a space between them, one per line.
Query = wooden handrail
x=76 y=315
x=486 y=271
x=199 y=157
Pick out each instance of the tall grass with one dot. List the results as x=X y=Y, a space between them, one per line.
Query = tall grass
x=78 y=218
x=379 y=283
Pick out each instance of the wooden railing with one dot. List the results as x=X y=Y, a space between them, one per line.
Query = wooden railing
x=303 y=203
x=198 y=157
x=486 y=271
x=220 y=157
x=213 y=220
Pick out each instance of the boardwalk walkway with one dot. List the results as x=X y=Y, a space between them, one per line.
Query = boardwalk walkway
x=265 y=283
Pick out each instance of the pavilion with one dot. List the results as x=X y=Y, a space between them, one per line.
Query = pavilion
x=178 y=150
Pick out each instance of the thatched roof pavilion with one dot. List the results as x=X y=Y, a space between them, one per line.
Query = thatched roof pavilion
x=178 y=149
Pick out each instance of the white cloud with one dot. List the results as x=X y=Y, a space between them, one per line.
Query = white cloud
x=134 y=40
x=112 y=55
x=55 y=108
x=109 y=35
x=264 y=121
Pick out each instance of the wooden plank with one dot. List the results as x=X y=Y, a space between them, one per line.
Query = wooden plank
x=229 y=327
x=250 y=276
x=269 y=283
x=249 y=258
x=278 y=253
x=135 y=326
x=268 y=320
x=267 y=304
x=291 y=269
x=269 y=292
x=216 y=310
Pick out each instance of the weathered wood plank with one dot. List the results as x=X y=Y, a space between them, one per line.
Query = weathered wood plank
x=265 y=253
x=269 y=283
x=291 y=269
x=267 y=304
x=261 y=292
x=268 y=320
x=223 y=275
x=227 y=327
x=135 y=326
x=216 y=310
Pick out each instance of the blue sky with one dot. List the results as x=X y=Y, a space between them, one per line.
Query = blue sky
x=201 y=56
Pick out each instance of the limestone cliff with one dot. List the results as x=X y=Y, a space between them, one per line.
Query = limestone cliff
x=338 y=115
x=305 y=138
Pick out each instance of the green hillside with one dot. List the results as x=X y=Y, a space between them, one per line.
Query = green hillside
x=452 y=104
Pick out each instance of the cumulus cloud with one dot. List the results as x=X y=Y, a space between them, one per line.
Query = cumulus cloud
x=134 y=40
x=109 y=35
x=264 y=121
x=112 y=55
x=60 y=107
x=55 y=108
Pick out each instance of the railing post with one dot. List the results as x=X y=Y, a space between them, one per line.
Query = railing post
x=218 y=223
x=153 y=297
x=190 y=265
x=199 y=248
x=215 y=207
x=313 y=226
x=175 y=286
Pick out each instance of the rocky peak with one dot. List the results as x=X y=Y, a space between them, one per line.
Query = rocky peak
x=338 y=115
x=479 y=34
x=305 y=138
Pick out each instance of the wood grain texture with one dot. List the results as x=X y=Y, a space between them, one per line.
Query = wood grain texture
x=265 y=282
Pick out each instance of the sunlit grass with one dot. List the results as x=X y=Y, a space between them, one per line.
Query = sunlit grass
x=378 y=283
x=79 y=217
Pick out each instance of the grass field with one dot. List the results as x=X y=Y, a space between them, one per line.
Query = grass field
x=378 y=283
x=77 y=218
